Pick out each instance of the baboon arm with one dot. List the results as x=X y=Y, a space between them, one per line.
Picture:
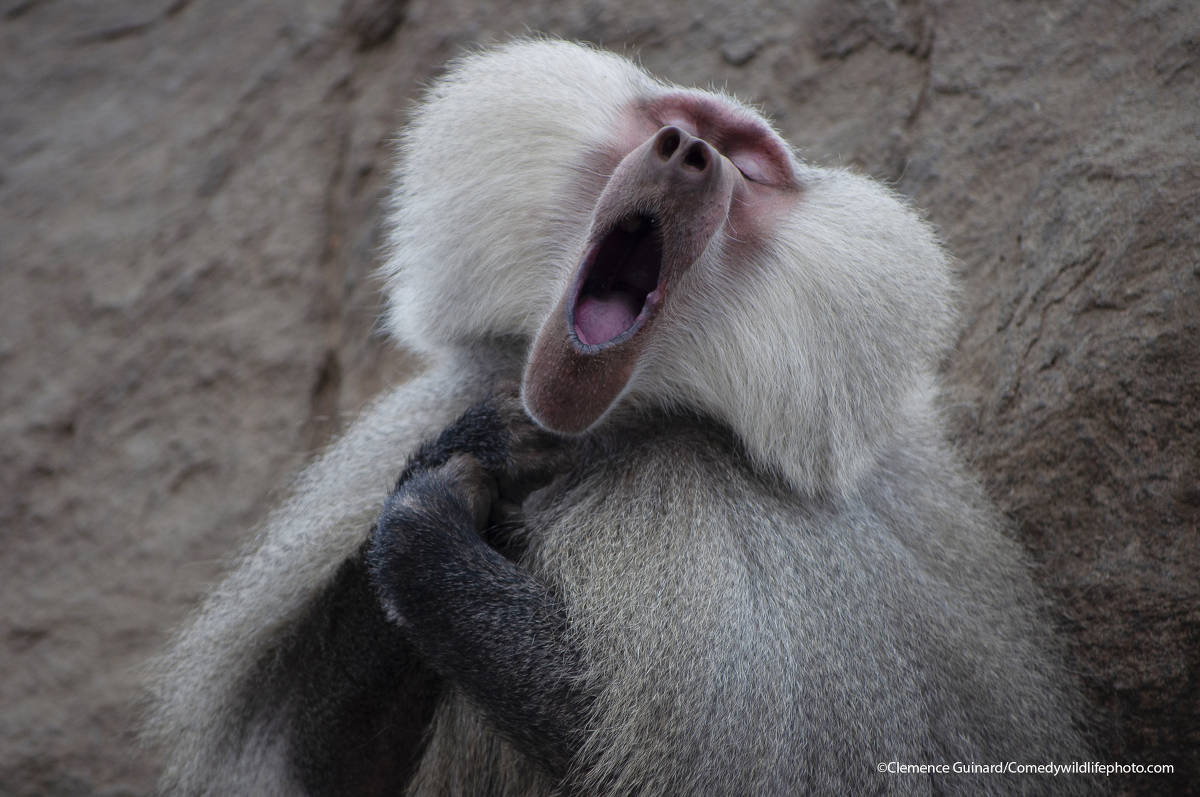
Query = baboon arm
x=358 y=699
x=480 y=620
x=223 y=695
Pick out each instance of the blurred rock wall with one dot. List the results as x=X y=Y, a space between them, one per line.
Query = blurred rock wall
x=189 y=213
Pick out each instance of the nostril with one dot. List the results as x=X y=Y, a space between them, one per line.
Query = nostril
x=696 y=156
x=668 y=142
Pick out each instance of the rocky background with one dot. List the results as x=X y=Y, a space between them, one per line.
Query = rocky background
x=190 y=203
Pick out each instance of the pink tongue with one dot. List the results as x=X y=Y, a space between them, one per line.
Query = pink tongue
x=600 y=317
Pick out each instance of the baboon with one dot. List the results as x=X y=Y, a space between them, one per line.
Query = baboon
x=676 y=514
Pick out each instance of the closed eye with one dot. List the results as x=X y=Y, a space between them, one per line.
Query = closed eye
x=751 y=167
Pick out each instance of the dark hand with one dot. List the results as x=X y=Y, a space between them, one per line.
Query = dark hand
x=495 y=454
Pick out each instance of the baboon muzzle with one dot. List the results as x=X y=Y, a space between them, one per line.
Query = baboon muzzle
x=655 y=217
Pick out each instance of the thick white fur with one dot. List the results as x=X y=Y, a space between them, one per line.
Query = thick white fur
x=484 y=226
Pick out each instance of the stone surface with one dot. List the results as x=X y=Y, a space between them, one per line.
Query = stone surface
x=189 y=210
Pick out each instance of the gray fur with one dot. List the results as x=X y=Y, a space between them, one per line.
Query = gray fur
x=778 y=572
x=746 y=640
x=218 y=741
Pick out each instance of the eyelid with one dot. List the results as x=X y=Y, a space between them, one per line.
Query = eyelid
x=751 y=167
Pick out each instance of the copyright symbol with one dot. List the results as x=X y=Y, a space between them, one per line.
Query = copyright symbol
x=882 y=767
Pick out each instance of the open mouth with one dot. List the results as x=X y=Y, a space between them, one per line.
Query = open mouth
x=619 y=286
